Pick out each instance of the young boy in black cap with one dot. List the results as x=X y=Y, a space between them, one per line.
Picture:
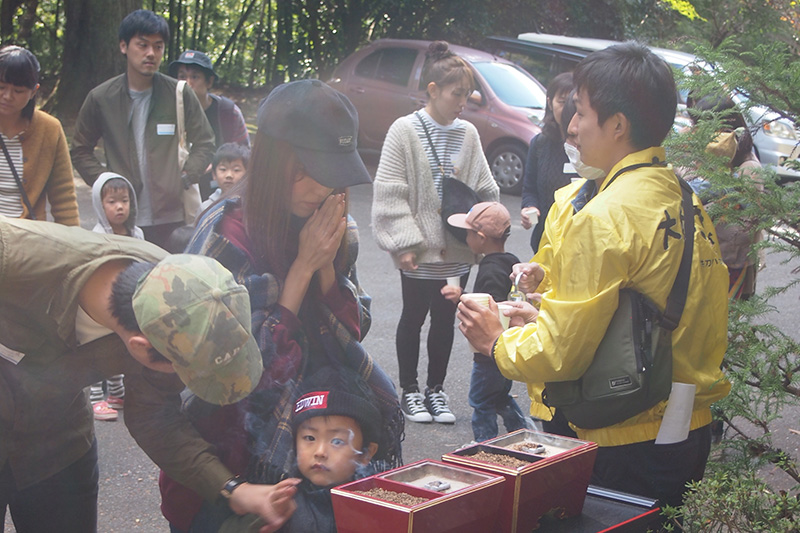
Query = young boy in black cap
x=488 y=225
x=336 y=427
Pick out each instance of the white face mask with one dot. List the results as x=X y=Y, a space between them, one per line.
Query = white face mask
x=583 y=170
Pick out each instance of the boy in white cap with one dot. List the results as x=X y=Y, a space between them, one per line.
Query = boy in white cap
x=488 y=225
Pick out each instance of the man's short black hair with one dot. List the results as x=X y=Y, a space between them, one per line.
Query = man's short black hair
x=630 y=79
x=231 y=152
x=142 y=22
x=122 y=301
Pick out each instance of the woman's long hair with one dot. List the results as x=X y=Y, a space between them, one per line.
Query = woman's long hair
x=560 y=84
x=267 y=203
x=20 y=67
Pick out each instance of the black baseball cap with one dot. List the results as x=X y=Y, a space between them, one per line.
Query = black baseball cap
x=321 y=125
x=195 y=58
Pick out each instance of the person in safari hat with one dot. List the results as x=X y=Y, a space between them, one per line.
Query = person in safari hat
x=77 y=307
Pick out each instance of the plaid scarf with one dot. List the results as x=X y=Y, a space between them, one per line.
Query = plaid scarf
x=269 y=408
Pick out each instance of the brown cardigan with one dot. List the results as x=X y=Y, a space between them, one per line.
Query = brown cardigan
x=47 y=170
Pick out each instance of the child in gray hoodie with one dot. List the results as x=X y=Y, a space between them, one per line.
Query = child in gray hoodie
x=114 y=202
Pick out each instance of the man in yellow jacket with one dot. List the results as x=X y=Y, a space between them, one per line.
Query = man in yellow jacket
x=622 y=230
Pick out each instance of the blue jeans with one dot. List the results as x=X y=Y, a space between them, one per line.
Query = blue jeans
x=66 y=501
x=489 y=396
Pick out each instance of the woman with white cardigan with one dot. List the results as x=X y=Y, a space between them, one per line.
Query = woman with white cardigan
x=420 y=150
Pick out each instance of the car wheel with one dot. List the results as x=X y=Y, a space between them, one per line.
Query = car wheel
x=507 y=163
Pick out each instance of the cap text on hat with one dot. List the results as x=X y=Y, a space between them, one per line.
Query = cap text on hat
x=194 y=313
x=321 y=125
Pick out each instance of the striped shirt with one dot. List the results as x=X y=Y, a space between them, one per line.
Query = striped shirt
x=10 y=198
x=447 y=141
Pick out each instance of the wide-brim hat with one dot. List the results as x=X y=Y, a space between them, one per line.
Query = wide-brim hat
x=321 y=125
x=196 y=315
x=194 y=58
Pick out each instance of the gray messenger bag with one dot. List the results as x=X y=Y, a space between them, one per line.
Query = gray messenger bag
x=632 y=368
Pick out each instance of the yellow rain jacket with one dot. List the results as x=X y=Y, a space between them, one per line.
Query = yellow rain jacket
x=628 y=235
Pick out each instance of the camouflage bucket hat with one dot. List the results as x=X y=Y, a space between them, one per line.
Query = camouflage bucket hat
x=195 y=314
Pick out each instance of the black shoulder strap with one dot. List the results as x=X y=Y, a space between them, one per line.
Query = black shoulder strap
x=430 y=143
x=22 y=192
x=677 y=296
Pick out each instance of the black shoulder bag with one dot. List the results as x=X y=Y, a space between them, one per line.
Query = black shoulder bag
x=457 y=196
x=632 y=368
x=22 y=192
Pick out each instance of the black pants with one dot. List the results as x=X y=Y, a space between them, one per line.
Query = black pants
x=419 y=297
x=66 y=501
x=159 y=235
x=654 y=470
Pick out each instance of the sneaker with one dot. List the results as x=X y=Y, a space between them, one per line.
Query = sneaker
x=103 y=412
x=116 y=403
x=436 y=402
x=414 y=408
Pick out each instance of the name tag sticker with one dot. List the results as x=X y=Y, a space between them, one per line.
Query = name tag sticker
x=12 y=356
x=165 y=129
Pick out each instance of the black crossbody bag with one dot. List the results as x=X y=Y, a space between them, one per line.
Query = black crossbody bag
x=632 y=368
x=22 y=192
x=457 y=196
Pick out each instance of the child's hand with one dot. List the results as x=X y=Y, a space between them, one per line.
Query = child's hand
x=452 y=293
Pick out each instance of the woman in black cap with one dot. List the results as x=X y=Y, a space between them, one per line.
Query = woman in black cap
x=289 y=240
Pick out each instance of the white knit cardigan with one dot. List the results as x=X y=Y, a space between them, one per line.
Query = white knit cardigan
x=405 y=205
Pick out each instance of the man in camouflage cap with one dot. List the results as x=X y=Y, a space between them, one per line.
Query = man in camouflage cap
x=77 y=307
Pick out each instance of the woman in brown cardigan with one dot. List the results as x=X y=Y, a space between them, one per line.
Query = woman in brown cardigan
x=34 y=147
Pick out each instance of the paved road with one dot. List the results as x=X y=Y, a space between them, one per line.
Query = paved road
x=129 y=498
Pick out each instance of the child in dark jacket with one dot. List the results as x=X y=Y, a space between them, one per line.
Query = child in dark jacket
x=488 y=225
x=336 y=427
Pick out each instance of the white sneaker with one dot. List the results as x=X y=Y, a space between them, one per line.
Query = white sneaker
x=414 y=408
x=436 y=402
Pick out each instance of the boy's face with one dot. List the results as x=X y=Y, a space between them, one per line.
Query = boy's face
x=475 y=241
x=144 y=53
x=117 y=207
x=228 y=173
x=595 y=142
x=329 y=449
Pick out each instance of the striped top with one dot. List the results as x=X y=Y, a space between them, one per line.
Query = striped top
x=447 y=141
x=10 y=199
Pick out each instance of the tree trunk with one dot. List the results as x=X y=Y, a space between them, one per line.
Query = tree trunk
x=90 y=57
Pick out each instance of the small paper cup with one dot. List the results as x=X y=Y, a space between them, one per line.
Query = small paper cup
x=455 y=281
x=501 y=307
x=481 y=298
x=532 y=215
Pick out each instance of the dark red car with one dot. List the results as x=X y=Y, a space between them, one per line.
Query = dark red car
x=383 y=81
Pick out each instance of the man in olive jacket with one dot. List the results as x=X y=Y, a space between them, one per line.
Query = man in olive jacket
x=136 y=116
x=77 y=307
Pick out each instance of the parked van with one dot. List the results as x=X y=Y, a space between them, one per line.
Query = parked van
x=776 y=139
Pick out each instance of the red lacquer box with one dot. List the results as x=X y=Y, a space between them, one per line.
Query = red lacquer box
x=555 y=479
x=456 y=499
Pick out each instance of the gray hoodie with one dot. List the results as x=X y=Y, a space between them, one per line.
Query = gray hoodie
x=103 y=225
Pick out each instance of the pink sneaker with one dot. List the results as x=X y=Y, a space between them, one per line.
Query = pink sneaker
x=115 y=403
x=103 y=412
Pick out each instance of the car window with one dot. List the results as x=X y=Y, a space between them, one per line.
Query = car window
x=392 y=65
x=540 y=65
x=512 y=85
